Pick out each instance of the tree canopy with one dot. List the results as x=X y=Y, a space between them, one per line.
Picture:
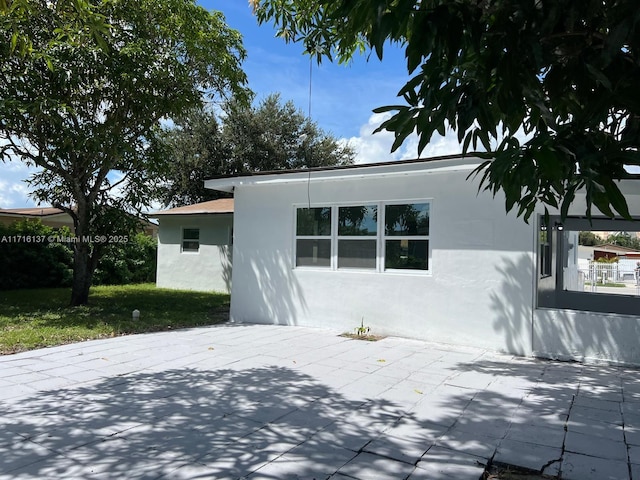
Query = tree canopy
x=561 y=73
x=270 y=135
x=83 y=109
x=78 y=20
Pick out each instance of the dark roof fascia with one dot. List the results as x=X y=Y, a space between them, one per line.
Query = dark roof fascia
x=31 y=215
x=440 y=158
x=353 y=166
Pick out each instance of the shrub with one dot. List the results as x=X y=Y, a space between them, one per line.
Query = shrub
x=29 y=260
x=130 y=262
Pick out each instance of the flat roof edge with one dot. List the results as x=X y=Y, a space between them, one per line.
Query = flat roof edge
x=228 y=183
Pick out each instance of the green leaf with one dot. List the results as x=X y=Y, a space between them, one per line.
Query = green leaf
x=567 y=74
x=389 y=108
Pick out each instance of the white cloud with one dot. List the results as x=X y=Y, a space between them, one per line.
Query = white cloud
x=14 y=194
x=372 y=148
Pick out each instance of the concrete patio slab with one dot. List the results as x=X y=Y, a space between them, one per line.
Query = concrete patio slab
x=273 y=402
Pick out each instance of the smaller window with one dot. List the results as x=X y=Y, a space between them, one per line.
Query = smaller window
x=191 y=240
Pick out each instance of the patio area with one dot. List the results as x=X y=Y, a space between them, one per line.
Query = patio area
x=279 y=402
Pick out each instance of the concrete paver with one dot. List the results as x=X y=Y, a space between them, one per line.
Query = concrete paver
x=595 y=446
x=583 y=467
x=529 y=455
x=442 y=463
x=258 y=401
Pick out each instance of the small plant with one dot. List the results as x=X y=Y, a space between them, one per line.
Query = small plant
x=362 y=330
x=362 y=333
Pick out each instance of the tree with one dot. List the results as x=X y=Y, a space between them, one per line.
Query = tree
x=273 y=136
x=84 y=110
x=268 y=136
x=564 y=72
x=78 y=20
x=589 y=239
x=198 y=152
x=624 y=239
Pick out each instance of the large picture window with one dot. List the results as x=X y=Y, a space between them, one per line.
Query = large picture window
x=377 y=237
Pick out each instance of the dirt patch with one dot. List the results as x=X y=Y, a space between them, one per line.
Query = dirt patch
x=511 y=472
x=366 y=338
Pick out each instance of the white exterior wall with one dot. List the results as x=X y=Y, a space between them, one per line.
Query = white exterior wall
x=209 y=269
x=480 y=290
x=586 y=336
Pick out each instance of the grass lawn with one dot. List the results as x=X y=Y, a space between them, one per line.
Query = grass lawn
x=42 y=318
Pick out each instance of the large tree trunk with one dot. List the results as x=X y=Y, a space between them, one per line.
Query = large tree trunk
x=82 y=273
x=82 y=261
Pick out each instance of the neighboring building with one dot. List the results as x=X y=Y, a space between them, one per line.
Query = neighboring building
x=622 y=268
x=50 y=216
x=413 y=249
x=606 y=251
x=194 y=246
x=56 y=218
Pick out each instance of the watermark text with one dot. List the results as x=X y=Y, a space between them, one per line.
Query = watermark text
x=100 y=239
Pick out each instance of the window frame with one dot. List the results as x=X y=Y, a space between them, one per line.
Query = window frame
x=183 y=240
x=386 y=237
x=297 y=237
x=353 y=238
x=545 y=250
x=379 y=238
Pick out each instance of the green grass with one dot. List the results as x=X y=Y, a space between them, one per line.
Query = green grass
x=42 y=318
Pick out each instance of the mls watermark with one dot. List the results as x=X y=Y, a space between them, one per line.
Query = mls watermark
x=64 y=239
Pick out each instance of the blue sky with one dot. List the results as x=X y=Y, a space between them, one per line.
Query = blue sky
x=342 y=97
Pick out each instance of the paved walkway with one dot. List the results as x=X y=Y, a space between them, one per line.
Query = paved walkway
x=269 y=402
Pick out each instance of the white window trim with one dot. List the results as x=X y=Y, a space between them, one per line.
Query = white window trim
x=384 y=238
x=310 y=237
x=380 y=238
x=337 y=237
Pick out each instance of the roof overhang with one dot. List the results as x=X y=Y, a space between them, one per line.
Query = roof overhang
x=8 y=213
x=369 y=170
x=185 y=214
x=220 y=206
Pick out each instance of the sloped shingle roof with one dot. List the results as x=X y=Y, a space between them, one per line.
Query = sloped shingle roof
x=31 y=212
x=221 y=205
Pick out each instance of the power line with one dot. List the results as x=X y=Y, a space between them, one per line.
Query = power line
x=310 y=76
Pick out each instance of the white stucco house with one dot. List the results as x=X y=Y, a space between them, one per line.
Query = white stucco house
x=194 y=246
x=413 y=249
